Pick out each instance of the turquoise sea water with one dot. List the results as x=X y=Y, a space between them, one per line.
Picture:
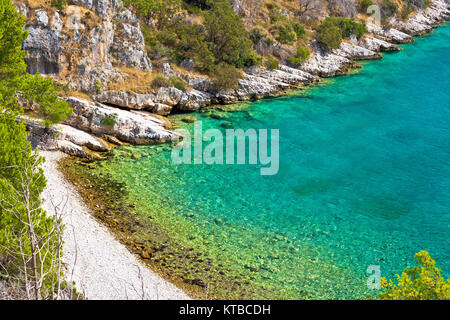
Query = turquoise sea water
x=364 y=179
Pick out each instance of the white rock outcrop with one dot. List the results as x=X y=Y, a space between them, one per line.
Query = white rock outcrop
x=135 y=127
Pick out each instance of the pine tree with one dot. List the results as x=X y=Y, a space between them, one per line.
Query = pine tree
x=13 y=77
x=30 y=241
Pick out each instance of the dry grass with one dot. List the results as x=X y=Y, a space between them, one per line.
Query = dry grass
x=34 y=4
x=134 y=81
x=76 y=94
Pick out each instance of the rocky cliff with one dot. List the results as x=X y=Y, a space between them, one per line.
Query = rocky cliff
x=90 y=45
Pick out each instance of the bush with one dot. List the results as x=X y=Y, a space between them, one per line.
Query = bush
x=107 y=121
x=299 y=30
x=159 y=82
x=226 y=77
x=227 y=38
x=286 y=34
x=329 y=35
x=348 y=26
x=364 y=5
x=256 y=35
x=272 y=63
x=423 y=282
x=178 y=83
x=301 y=56
x=406 y=11
x=59 y=4
x=192 y=45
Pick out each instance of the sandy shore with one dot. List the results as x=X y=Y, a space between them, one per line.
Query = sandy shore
x=101 y=267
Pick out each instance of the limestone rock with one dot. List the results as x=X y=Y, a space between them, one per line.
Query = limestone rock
x=83 y=45
x=135 y=127
x=377 y=45
x=353 y=51
x=326 y=64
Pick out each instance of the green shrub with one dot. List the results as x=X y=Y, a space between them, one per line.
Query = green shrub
x=348 y=26
x=178 y=83
x=226 y=77
x=299 y=30
x=108 y=121
x=256 y=35
x=423 y=282
x=406 y=11
x=364 y=5
x=301 y=56
x=226 y=36
x=159 y=82
x=192 y=45
x=286 y=34
x=98 y=86
x=59 y=4
x=329 y=35
x=276 y=17
x=272 y=63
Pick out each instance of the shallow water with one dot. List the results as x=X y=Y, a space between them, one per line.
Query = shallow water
x=364 y=180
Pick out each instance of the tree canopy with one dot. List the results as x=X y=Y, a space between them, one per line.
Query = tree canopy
x=422 y=282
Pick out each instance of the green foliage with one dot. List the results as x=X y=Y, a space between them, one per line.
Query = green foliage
x=43 y=91
x=98 y=86
x=14 y=151
x=333 y=29
x=406 y=11
x=178 y=83
x=423 y=282
x=12 y=63
x=226 y=36
x=299 y=30
x=160 y=11
x=159 y=82
x=221 y=38
x=202 y=4
x=13 y=77
x=329 y=35
x=301 y=56
x=108 y=121
x=256 y=35
x=59 y=4
x=286 y=34
x=363 y=5
x=276 y=17
x=21 y=184
x=192 y=45
x=226 y=77
x=24 y=226
x=272 y=63
x=348 y=26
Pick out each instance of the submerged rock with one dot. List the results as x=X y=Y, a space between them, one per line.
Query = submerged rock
x=189 y=119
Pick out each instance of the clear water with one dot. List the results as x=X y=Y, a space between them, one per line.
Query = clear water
x=364 y=180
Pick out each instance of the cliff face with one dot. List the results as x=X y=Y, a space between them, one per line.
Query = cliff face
x=85 y=44
x=97 y=47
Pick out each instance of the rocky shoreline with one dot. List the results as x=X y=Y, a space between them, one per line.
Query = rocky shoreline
x=116 y=117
